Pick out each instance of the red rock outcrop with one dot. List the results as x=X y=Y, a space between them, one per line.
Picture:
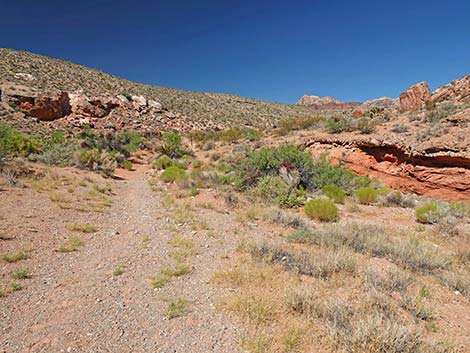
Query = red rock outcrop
x=415 y=97
x=45 y=107
x=441 y=176
x=455 y=91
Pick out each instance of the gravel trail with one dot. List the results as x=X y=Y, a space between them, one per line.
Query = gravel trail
x=73 y=303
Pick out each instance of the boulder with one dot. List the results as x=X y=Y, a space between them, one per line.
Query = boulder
x=96 y=107
x=154 y=105
x=415 y=97
x=357 y=113
x=24 y=76
x=45 y=107
x=140 y=101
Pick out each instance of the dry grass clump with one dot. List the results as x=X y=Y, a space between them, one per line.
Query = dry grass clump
x=321 y=264
x=392 y=280
x=420 y=255
x=285 y=218
x=15 y=257
x=253 y=309
x=73 y=244
x=363 y=328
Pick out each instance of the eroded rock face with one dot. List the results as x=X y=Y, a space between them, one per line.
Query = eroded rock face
x=415 y=97
x=437 y=175
x=45 y=107
x=455 y=91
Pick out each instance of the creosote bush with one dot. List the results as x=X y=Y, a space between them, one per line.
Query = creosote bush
x=269 y=160
x=321 y=209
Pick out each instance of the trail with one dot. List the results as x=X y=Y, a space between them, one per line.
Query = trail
x=79 y=306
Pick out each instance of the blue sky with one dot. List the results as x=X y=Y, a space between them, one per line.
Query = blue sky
x=272 y=50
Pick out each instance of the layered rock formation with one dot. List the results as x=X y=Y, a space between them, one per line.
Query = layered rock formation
x=456 y=91
x=415 y=97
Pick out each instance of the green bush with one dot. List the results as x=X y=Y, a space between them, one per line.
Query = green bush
x=365 y=125
x=124 y=142
x=162 y=162
x=275 y=190
x=321 y=209
x=15 y=143
x=334 y=193
x=268 y=161
x=366 y=195
x=173 y=174
x=172 y=145
x=338 y=124
x=325 y=174
x=127 y=165
x=429 y=213
x=95 y=160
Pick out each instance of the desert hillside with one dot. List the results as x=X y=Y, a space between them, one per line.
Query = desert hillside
x=136 y=218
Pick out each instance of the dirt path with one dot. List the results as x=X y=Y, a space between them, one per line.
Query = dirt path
x=77 y=305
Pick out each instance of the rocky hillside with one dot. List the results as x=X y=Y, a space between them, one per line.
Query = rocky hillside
x=41 y=74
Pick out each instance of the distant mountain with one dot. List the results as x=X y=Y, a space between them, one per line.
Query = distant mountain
x=325 y=103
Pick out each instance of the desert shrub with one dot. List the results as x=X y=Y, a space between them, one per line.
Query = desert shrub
x=396 y=199
x=399 y=129
x=320 y=265
x=127 y=142
x=325 y=174
x=15 y=143
x=95 y=160
x=429 y=213
x=334 y=193
x=279 y=216
x=268 y=161
x=292 y=124
x=336 y=125
x=173 y=174
x=231 y=135
x=172 y=145
x=56 y=150
x=127 y=165
x=274 y=189
x=162 y=162
x=366 y=125
x=440 y=111
x=322 y=209
x=366 y=195
x=460 y=209
x=412 y=252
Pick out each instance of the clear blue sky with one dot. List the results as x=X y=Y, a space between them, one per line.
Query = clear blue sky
x=272 y=50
